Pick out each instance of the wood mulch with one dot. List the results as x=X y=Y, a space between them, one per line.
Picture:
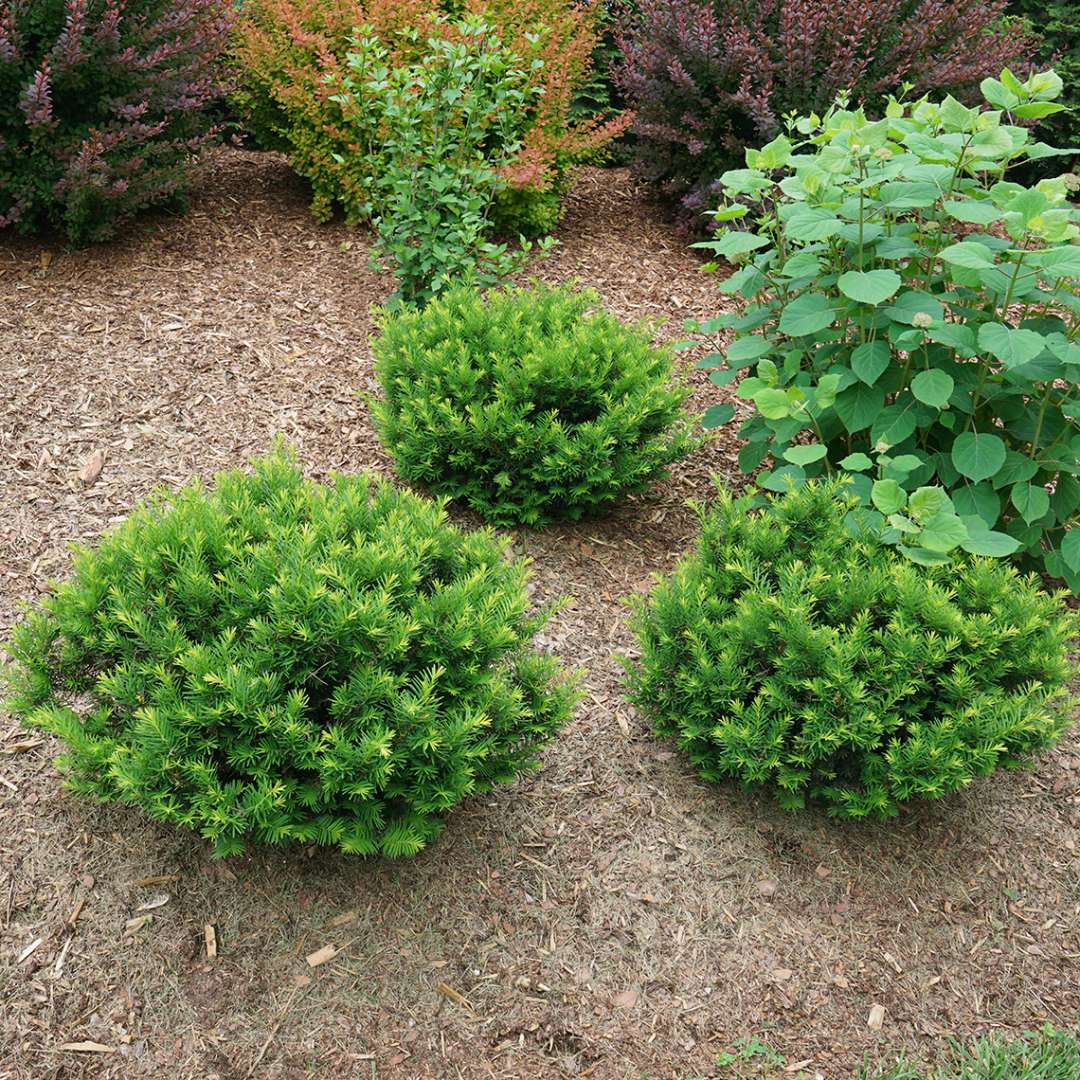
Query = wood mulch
x=610 y=916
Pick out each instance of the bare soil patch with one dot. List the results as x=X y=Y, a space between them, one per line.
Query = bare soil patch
x=611 y=916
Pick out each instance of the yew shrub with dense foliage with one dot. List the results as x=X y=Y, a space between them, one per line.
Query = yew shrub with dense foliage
x=527 y=405
x=913 y=309
x=294 y=57
x=788 y=653
x=708 y=78
x=103 y=107
x=277 y=660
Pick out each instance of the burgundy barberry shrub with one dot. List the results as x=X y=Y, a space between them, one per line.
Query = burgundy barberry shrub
x=708 y=78
x=103 y=107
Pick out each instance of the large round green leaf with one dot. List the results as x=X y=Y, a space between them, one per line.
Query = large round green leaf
x=977 y=456
x=869 y=286
x=1011 y=347
x=912 y=302
x=976 y=213
x=805 y=454
x=1070 y=550
x=933 y=387
x=943 y=532
x=895 y=423
x=979 y=500
x=858 y=406
x=718 y=415
x=870 y=360
x=773 y=404
x=982 y=540
x=969 y=254
x=888 y=496
x=783 y=478
x=860 y=463
x=1031 y=500
x=807 y=314
x=748 y=348
x=734 y=243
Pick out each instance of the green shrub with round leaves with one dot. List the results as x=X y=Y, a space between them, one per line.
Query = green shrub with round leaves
x=527 y=404
x=907 y=298
x=277 y=660
x=787 y=652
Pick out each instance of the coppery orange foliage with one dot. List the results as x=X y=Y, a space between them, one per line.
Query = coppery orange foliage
x=292 y=55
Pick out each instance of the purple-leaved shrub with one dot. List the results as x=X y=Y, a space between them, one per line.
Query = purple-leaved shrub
x=709 y=78
x=103 y=107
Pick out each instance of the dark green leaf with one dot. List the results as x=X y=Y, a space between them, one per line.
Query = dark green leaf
x=978 y=500
x=1011 y=347
x=807 y=314
x=911 y=303
x=870 y=359
x=858 y=406
x=978 y=456
x=1031 y=500
x=932 y=388
x=718 y=415
x=894 y=424
x=1070 y=549
x=869 y=286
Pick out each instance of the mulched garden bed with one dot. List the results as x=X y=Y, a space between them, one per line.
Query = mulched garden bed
x=611 y=916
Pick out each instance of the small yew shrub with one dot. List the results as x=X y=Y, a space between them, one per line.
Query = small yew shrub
x=527 y=405
x=278 y=660
x=787 y=652
x=103 y=106
x=708 y=79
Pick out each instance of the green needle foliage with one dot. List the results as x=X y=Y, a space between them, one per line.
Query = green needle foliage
x=279 y=660
x=785 y=651
x=527 y=405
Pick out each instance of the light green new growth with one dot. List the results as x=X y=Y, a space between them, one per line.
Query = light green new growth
x=527 y=405
x=277 y=660
x=787 y=652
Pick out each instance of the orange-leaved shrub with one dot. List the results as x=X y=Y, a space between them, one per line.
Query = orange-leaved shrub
x=291 y=56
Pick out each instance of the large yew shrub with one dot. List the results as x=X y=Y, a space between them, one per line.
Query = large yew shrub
x=787 y=651
x=276 y=660
x=103 y=107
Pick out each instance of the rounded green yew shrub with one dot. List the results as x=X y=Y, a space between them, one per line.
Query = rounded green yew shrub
x=527 y=405
x=790 y=652
x=279 y=660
